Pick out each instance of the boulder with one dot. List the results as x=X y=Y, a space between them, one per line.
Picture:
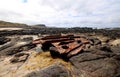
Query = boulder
x=96 y=63
x=54 y=70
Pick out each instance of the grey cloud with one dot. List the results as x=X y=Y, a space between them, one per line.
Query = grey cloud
x=68 y=12
x=95 y=12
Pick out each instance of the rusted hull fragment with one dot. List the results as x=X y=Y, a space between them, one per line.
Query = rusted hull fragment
x=67 y=45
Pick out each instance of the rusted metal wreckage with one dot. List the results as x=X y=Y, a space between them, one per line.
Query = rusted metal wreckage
x=63 y=45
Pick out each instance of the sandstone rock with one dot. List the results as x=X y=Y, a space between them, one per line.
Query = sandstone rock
x=106 y=48
x=116 y=49
x=16 y=48
x=55 y=70
x=94 y=41
x=96 y=63
x=20 y=57
x=103 y=61
x=4 y=40
x=7 y=45
x=115 y=42
x=27 y=39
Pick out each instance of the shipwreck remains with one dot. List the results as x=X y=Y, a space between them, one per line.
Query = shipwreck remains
x=63 y=45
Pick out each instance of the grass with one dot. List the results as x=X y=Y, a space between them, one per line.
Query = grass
x=41 y=60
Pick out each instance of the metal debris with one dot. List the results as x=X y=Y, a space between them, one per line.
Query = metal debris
x=67 y=45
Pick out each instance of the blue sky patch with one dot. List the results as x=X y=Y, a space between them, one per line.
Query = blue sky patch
x=25 y=1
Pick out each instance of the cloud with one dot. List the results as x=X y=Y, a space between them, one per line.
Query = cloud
x=24 y=1
x=64 y=13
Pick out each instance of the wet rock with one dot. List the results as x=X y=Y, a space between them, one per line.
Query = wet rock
x=25 y=46
x=96 y=63
x=20 y=57
x=4 y=40
x=55 y=70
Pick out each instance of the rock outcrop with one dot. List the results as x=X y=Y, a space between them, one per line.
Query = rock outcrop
x=4 y=40
x=18 y=57
x=97 y=63
x=54 y=70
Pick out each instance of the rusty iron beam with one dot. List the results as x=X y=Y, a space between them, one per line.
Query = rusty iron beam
x=64 y=44
x=75 y=51
x=57 y=37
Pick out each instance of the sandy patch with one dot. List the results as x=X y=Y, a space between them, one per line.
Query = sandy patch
x=115 y=42
x=10 y=28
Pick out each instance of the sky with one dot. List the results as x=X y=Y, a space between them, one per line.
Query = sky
x=62 y=13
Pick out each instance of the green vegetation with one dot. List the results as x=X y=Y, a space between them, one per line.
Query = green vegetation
x=4 y=23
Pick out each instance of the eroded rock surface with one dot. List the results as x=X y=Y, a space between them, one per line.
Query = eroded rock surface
x=16 y=45
x=20 y=57
x=54 y=70
x=97 y=63
x=4 y=40
x=97 y=60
